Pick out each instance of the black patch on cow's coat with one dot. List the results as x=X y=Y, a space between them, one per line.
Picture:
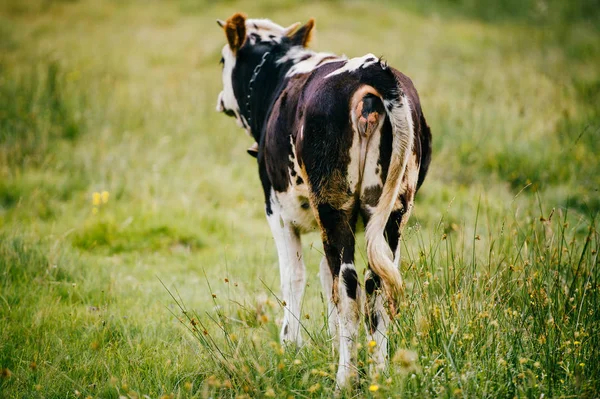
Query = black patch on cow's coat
x=372 y=103
x=264 y=179
x=299 y=181
x=425 y=149
x=372 y=320
x=392 y=229
x=283 y=99
x=351 y=282
x=372 y=283
x=263 y=84
x=385 y=148
x=328 y=133
x=304 y=204
x=339 y=240
x=371 y=195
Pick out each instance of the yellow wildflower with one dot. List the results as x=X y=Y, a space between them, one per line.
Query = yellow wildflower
x=96 y=199
x=314 y=388
x=374 y=388
x=104 y=196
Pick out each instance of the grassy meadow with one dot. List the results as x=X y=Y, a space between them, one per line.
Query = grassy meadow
x=135 y=259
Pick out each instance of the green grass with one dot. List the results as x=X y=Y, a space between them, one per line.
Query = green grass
x=170 y=287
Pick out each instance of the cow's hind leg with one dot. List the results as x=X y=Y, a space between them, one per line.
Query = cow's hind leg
x=338 y=242
x=292 y=272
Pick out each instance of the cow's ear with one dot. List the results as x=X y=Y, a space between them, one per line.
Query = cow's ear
x=302 y=36
x=235 y=30
x=291 y=28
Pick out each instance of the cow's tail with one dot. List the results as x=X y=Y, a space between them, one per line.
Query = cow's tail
x=379 y=253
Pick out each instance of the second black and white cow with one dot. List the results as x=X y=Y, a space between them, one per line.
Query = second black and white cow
x=337 y=139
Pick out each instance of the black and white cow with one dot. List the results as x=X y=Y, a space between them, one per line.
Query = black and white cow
x=337 y=139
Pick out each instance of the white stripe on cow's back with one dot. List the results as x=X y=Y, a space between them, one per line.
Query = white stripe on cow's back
x=355 y=63
x=310 y=63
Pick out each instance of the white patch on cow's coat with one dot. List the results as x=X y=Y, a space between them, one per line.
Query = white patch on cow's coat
x=355 y=63
x=306 y=61
x=292 y=211
x=264 y=24
x=371 y=173
x=226 y=100
x=266 y=30
x=353 y=174
x=349 y=315
x=292 y=271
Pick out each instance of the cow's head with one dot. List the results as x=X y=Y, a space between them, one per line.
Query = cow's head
x=247 y=41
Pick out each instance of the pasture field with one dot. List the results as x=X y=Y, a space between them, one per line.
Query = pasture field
x=135 y=259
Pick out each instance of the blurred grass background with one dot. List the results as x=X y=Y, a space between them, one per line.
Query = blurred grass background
x=119 y=97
